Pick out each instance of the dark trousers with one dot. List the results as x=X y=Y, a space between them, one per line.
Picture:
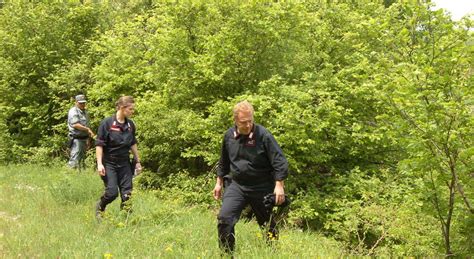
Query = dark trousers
x=234 y=201
x=118 y=177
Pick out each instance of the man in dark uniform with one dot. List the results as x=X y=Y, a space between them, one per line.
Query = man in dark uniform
x=79 y=132
x=257 y=166
x=115 y=140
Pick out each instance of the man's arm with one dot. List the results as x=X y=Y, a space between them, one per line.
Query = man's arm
x=74 y=121
x=81 y=127
x=223 y=169
x=280 y=166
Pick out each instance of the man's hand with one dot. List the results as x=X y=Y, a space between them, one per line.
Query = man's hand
x=91 y=133
x=217 y=192
x=279 y=192
x=101 y=170
x=138 y=168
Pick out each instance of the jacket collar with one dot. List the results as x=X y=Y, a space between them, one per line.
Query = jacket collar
x=237 y=135
x=116 y=123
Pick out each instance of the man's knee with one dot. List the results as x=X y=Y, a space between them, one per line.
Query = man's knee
x=225 y=221
x=225 y=225
x=111 y=194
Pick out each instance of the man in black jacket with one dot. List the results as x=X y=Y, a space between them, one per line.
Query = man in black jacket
x=256 y=165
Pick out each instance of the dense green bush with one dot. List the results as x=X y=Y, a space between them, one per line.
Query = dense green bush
x=186 y=190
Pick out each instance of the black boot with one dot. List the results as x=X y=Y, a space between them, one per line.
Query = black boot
x=126 y=204
x=226 y=238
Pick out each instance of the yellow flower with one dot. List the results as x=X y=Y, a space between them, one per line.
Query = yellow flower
x=169 y=249
x=271 y=236
x=107 y=256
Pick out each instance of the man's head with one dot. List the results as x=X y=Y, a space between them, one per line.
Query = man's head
x=243 y=117
x=81 y=101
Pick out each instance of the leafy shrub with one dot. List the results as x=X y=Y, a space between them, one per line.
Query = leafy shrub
x=188 y=190
x=370 y=214
x=166 y=134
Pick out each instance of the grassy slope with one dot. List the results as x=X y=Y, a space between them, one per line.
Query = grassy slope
x=48 y=212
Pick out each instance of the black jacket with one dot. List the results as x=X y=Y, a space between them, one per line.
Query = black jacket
x=253 y=159
x=116 y=138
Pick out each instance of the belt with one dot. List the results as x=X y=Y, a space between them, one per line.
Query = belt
x=84 y=137
x=116 y=158
x=249 y=181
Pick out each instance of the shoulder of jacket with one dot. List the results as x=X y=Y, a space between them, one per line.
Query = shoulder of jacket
x=73 y=110
x=261 y=131
x=131 y=121
x=229 y=132
x=132 y=124
x=107 y=120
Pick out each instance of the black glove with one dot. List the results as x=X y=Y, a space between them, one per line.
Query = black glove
x=269 y=201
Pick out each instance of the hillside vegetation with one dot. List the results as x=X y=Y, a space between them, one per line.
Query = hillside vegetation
x=372 y=103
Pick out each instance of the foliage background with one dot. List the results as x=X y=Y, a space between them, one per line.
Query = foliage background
x=372 y=103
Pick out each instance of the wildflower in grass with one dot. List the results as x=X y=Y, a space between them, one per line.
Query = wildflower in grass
x=169 y=249
x=259 y=235
x=107 y=256
x=270 y=236
x=120 y=225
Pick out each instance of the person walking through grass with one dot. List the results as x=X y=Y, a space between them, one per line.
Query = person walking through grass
x=79 y=132
x=115 y=139
x=256 y=165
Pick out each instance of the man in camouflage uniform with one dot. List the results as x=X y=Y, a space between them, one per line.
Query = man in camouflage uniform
x=79 y=132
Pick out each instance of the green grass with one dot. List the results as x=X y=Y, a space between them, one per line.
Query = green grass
x=49 y=213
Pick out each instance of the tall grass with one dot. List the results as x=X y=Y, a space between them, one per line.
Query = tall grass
x=49 y=212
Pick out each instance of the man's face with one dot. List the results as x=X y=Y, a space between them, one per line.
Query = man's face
x=81 y=106
x=244 y=122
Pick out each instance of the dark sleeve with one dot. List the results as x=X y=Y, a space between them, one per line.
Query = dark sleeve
x=102 y=134
x=276 y=157
x=134 y=140
x=223 y=167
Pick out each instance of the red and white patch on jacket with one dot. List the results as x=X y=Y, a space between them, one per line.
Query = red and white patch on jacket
x=115 y=128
